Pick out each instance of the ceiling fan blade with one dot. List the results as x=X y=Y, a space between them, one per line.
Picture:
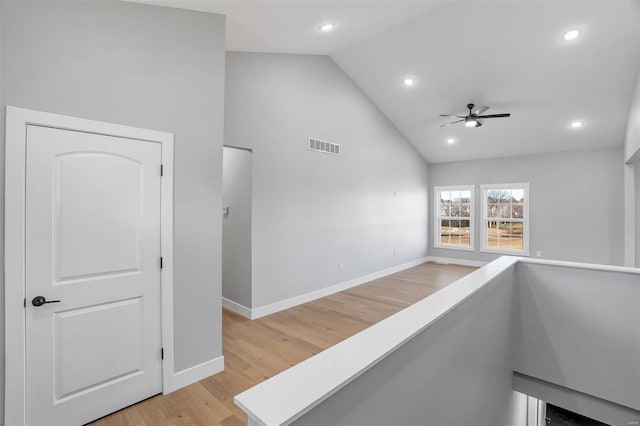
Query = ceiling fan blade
x=449 y=124
x=478 y=123
x=494 y=116
x=480 y=110
x=452 y=116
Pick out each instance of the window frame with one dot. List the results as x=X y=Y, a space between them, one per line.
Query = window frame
x=484 y=247
x=438 y=220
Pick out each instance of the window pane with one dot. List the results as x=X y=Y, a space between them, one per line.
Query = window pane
x=465 y=233
x=517 y=236
x=518 y=195
x=455 y=232
x=492 y=234
x=445 y=210
x=492 y=210
x=498 y=196
x=504 y=235
x=444 y=232
x=455 y=196
x=504 y=210
x=465 y=210
x=455 y=210
x=465 y=196
x=517 y=211
x=444 y=196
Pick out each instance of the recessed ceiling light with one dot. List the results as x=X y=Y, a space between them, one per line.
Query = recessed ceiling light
x=577 y=124
x=408 y=82
x=571 y=35
x=327 y=28
x=450 y=141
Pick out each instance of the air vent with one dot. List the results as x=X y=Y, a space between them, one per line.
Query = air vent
x=323 y=146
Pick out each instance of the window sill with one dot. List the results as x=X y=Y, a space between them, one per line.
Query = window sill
x=453 y=247
x=507 y=252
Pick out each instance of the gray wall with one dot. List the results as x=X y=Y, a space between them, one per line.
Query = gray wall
x=456 y=372
x=312 y=211
x=150 y=67
x=578 y=328
x=236 y=226
x=637 y=213
x=632 y=141
x=576 y=204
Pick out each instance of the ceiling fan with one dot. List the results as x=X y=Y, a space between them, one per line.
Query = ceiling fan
x=473 y=118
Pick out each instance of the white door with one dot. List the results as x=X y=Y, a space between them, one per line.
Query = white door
x=93 y=244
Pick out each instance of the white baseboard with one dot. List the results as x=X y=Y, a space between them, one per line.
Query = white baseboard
x=236 y=307
x=197 y=372
x=308 y=297
x=454 y=261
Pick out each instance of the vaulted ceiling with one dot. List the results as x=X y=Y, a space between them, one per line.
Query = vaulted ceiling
x=509 y=55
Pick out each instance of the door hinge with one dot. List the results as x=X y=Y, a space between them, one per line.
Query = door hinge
x=25 y=302
x=161 y=353
x=161 y=263
x=161 y=170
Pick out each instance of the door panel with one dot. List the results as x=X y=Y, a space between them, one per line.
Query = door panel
x=83 y=341
x=92 y=242
x=92 y=215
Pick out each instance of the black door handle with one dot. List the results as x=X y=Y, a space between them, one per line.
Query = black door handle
x=40 y=300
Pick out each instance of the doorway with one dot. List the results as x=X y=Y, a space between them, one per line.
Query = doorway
x=236 y=229
x=88 y=218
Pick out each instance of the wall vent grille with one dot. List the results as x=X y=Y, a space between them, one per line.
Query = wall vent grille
x=324 y=146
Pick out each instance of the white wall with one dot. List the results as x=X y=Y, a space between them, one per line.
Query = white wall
x=632 y=172
x=458 y=371
x=576 y=202
x=578 y=328
x=151 y=67
x=312 y=211
x=637 y=215
x=632 y=141
x=236 y=226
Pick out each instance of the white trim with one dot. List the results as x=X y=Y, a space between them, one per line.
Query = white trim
x=317 y=294
x=336 y=288
x=236 y=307
x=307 y=384
x=437 y=218
x=454 y=261
x=17 y=120
x=483 y=228
x=197 y=372
x=578 y=265
x=630 y=214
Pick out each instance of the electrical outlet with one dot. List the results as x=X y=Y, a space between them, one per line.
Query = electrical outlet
x=394 y=252
x=539 y=253
x=339 y=266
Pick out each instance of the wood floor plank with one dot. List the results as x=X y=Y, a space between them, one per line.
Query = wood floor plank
x=259 y=349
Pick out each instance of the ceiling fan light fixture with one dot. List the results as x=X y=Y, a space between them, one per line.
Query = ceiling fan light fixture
x=409 y=82
x=471 y=122
x=328 y=27
x=571 y=35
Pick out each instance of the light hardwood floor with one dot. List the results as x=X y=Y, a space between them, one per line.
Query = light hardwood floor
x=259 y=349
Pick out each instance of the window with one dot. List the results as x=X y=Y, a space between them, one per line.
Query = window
x=505 y=227
x=454 y=217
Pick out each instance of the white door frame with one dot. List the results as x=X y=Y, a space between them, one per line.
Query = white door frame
x=17 y=120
